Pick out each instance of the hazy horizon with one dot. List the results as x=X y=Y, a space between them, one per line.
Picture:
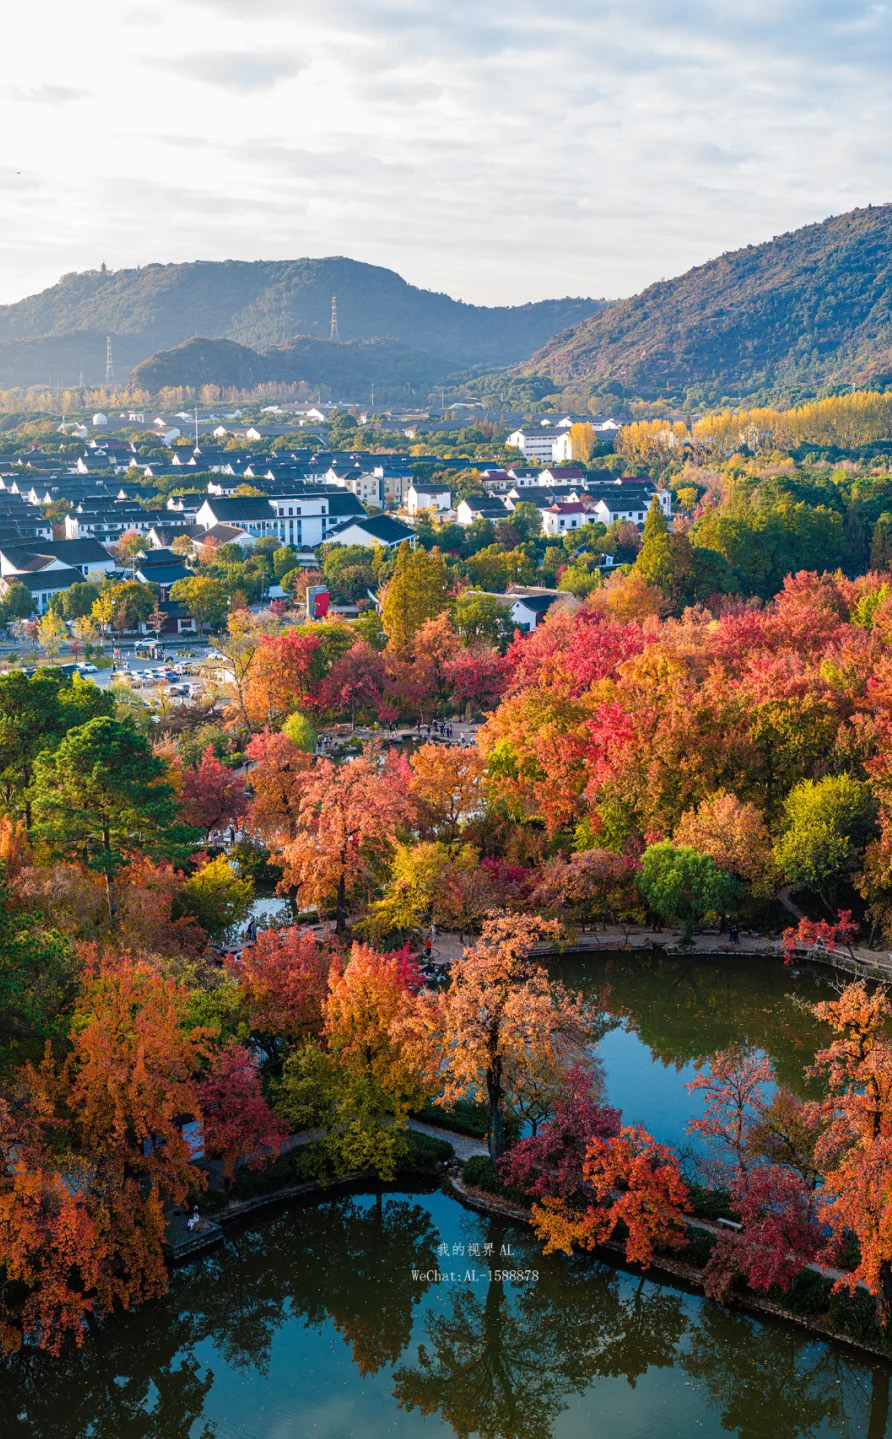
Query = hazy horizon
x=505 y=155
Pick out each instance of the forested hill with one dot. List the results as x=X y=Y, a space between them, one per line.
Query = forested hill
x=263 y=303
x=346 y=366
x=777 y=321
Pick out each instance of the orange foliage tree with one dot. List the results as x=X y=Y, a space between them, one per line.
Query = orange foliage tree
x=632 y=1181
x=346 y=824
x=279 y=768
x=501 y=1020
x=104 y=1153
x=855 y=1149
x=380 y=1076
x=447 y=781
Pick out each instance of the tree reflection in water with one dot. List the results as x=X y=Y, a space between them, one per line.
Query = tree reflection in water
x=491 y=1359
x=504 y=1366
x=772 y=1380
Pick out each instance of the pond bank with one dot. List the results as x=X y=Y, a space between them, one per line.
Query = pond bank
x=690 y=1275
x=866 y=963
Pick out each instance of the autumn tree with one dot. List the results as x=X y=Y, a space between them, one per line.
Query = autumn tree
x=346 y=825
x=283 y=982
x=854 y=1150
x=633 y=1185
x=734 y=834
x=447 y=782
x=119 y=1097
x=279 y=767
x=357 y=683
x=284 y=673
x=213 y=796
x=593 y=885
x=370 y=1075
x=502 y=1014
x=239 y=1126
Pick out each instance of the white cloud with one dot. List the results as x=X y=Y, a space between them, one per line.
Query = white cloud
x=502 y=152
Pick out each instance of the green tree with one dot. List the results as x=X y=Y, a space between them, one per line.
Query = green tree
x=283 y=561
x=526 y=521
x=35 y=712
x=684 y=886
x=18 y=603
x=204 y=598
x=216 y=896
x=78 y=600
x=418 y=591
x=298 y=729
x=38 y=977
x=481 y=619
x=655 y=563
x=827 y=822
x=102 y=794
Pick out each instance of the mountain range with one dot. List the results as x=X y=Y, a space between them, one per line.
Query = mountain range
x=260 y=304
x=803 y=312
x=806 y=312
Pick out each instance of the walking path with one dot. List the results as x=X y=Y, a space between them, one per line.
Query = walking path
x=464 y=1145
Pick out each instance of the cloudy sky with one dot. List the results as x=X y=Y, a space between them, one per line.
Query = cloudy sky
x=501 y=150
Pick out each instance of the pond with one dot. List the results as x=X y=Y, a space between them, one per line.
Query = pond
x=666 y=1013
x=328 y=1320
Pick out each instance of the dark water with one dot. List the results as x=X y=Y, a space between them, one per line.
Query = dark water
x=311 y=1323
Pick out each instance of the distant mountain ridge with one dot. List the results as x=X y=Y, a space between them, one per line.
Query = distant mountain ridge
x=777 y=321
x=260 y=304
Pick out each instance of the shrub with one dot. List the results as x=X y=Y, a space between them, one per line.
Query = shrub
x=710 y=1203
x=698 y=1248
x=809 y=1294
x=464 y=1117
x=425 y=1152
x=855 y=1315
x=479 y=1172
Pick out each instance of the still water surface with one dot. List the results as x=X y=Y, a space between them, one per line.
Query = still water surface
x=326 y=1320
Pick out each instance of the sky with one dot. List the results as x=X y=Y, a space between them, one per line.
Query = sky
x=499 y=150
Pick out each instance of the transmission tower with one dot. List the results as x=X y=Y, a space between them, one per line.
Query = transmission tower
x=109 y=362
x=334 y=319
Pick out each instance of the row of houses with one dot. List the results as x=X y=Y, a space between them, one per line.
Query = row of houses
x=563 y=506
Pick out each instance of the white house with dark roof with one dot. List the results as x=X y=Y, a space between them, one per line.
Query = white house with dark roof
x=88 y=557
x=43 y=583
x=435 y=499
x=374 y=530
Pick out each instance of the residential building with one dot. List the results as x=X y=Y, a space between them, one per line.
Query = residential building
x=435 y=499
x=375 y=530
x=488 y=508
